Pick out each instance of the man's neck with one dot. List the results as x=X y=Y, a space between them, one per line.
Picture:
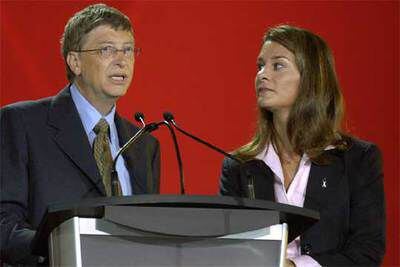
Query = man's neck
x=103 y=106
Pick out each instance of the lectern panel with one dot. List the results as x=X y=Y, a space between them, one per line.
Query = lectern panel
x=183 y=252
x=170 y=231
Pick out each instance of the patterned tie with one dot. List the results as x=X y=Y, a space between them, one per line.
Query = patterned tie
x=102 y=154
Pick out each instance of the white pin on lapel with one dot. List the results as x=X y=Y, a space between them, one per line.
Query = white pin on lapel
x=324 y=183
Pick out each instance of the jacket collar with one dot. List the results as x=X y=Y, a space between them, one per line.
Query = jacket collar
x=70 y=136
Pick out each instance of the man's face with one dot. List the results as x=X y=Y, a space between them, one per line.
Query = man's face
x=103 y=79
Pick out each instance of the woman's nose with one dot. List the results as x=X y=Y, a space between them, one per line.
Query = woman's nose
x=263 y=73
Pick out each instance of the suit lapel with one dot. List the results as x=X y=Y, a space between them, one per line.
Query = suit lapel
x=314 y=189
x=323 y=182
x=132 y=155
x=70 y=136
x=263 y=178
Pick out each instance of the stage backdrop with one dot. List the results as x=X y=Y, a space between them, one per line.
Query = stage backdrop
x=199 y=62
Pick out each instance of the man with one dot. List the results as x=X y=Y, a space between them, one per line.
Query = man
x=61 y=148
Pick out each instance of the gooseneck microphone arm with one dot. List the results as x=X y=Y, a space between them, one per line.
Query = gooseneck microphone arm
x=144 y=130
x=250 y=183
x=170 y=118
x=178 y=157
x=147 y=129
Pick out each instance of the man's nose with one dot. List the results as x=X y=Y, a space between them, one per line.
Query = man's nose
x=120 y=58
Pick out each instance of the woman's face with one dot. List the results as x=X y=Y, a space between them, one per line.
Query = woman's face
x=277 y=80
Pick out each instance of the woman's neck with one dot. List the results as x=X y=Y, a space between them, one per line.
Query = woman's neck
x=282 y=141
x=289 y=159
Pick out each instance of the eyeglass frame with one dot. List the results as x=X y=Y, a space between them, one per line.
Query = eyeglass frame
x=136 y=51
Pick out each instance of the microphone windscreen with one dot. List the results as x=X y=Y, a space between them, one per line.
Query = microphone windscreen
x=168 y=116
x=139 y=116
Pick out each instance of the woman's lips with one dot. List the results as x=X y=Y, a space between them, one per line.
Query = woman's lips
x=263 y=90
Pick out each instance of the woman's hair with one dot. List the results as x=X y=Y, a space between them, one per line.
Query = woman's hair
x=315 y=118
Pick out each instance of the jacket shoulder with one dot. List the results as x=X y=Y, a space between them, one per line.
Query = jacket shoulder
x=359 y=148
x=27 y=106
x=20 y=113
x=229 y=163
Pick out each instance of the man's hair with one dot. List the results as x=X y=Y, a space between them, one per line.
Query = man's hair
x=315 y=118
x=80 y=24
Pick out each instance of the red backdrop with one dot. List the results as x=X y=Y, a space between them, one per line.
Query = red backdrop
x=199 y=61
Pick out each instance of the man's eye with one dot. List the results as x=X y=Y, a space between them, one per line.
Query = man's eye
x=128 y=49
x=107 y=50
x=260 y=66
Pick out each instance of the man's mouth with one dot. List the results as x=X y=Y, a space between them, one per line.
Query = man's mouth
x=118 y=77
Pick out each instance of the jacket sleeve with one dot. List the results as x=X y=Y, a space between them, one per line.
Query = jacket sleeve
x=16 y=233
x=365 y=243
x=230 y=179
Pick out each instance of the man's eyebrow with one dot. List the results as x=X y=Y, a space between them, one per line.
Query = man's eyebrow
x=111 y=42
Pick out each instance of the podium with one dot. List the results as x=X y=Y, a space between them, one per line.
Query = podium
x=169 y=230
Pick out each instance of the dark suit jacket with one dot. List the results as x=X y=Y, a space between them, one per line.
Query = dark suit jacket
x=46 y=157
x=351 y=230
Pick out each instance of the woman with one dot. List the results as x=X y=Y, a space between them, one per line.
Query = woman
x=309 y=161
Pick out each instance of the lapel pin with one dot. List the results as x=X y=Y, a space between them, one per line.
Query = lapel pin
x=324 y=183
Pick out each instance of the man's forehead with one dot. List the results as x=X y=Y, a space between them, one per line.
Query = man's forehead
x=107 y=29
x=106 y=33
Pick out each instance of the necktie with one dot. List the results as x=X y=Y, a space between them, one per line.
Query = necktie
x=102 y=154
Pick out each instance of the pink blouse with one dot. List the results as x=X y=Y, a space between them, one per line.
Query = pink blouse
x=293 y=196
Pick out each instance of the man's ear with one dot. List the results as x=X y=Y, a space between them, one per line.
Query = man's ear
x=74 y=63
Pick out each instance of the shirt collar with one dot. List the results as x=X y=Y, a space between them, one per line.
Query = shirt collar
x=271 y=158
x=269 y=149
x=89 y=114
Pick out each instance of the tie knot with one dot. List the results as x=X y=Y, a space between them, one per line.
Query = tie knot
x=101 y=127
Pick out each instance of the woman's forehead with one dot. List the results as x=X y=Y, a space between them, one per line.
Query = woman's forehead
x=271 y=50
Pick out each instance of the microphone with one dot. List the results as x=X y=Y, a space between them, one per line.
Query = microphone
x=145 y=129
x=139 y=117
x=250 y=185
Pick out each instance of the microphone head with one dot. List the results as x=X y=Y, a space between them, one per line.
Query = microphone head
x=139 y=117
x=168 y=116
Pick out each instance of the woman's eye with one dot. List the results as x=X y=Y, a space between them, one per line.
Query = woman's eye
x=260 y=66
x=277 y=66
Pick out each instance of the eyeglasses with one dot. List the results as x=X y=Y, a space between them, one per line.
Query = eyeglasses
x=111 y=51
